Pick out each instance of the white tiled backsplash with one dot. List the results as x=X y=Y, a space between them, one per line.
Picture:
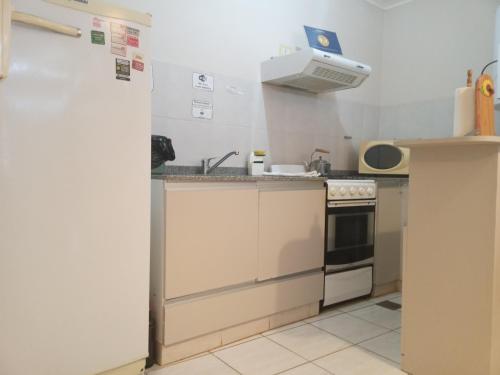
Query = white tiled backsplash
x=248 y=115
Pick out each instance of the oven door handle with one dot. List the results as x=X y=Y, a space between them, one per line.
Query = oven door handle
x=352 y=204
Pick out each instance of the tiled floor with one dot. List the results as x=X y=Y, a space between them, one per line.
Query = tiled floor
x=352 y=339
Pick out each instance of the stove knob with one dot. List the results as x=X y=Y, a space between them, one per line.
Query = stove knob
x=362 y=191
x=370 y=191
x=353 y=191
x=333 y=191
x=343 y=191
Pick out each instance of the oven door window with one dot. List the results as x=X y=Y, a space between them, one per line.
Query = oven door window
x=350 y=236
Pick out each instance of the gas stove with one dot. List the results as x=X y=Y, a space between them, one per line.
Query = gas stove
x=349 y=242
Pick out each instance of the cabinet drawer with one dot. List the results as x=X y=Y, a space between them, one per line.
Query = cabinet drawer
x=191 y=318
x=291 y=231
x=211 y=238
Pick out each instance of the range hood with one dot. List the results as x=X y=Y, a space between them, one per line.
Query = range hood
x=314 y=71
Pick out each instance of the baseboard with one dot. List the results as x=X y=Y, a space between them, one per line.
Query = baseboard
x=380 y=290
x=179 y=351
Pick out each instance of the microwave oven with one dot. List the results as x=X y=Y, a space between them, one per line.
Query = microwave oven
x=383 y=157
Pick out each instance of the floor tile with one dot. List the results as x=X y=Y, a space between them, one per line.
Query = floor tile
x=283 y=328
x=307 y=369
x=324 y=315
x=356 y=361
x=380 y=316
x=206 y=365
x=309 y=342
x=359 y=304
x=397 y=300
x=259 y=357
x=388 y=346
x=350 y=328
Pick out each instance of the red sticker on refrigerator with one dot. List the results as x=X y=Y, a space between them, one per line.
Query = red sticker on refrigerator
x=138 y=62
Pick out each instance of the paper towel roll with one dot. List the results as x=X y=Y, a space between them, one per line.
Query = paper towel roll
x=463 y=123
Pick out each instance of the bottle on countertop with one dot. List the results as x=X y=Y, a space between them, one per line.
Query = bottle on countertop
x=256 y=163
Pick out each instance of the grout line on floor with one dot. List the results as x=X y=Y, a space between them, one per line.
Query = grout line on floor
x=380 y=355
x=315 y=359
x=375 y=337
x=352 y=343
x=337 y=351
x=310 y=362
x=375 y=324
x=227 y=364
x=284 y=347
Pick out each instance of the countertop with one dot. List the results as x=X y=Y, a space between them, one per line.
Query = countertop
x=228 y=174
x=237 y=178
x=455 y=141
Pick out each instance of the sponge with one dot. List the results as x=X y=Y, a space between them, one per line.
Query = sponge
x=259 y=153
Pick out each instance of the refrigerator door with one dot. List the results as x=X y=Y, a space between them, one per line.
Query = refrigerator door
x=74 y=197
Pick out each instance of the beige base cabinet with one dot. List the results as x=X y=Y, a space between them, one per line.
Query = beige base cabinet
x=231 y=259
x=451 y=284
x=211 y=236
x=291 y=229
x=390 y=220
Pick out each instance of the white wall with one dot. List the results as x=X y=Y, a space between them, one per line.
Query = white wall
x=428 y=47
x=229 y=39
x=419 y=52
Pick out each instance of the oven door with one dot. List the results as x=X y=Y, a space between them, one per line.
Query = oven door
x=349 y=235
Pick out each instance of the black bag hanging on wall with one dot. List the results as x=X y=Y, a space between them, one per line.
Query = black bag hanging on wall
x=161 y=150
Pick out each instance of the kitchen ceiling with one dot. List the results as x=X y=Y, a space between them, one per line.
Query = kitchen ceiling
x=388 y=4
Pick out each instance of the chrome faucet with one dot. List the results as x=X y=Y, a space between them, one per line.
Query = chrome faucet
x=205 y=163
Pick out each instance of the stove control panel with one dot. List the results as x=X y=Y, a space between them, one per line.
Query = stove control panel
x=351 y=189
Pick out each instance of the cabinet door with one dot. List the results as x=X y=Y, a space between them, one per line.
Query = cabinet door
x=388 y=233
x=211 y=237
x=291 y=231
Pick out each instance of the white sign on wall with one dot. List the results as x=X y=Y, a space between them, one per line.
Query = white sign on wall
x=203 y=82
x=203 y=109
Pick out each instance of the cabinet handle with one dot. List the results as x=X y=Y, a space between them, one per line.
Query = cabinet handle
x=43 y=23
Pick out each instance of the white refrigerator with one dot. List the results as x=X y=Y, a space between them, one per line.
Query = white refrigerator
x=74 y=186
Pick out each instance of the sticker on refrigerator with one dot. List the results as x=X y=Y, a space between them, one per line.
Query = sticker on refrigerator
x=123 y=69
x=203 y=82
x=97 y=37
x=97 y=22
x=118 y=33
x=119 y=49
x=203 y=109
x=133 y=37
x=138 y=62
